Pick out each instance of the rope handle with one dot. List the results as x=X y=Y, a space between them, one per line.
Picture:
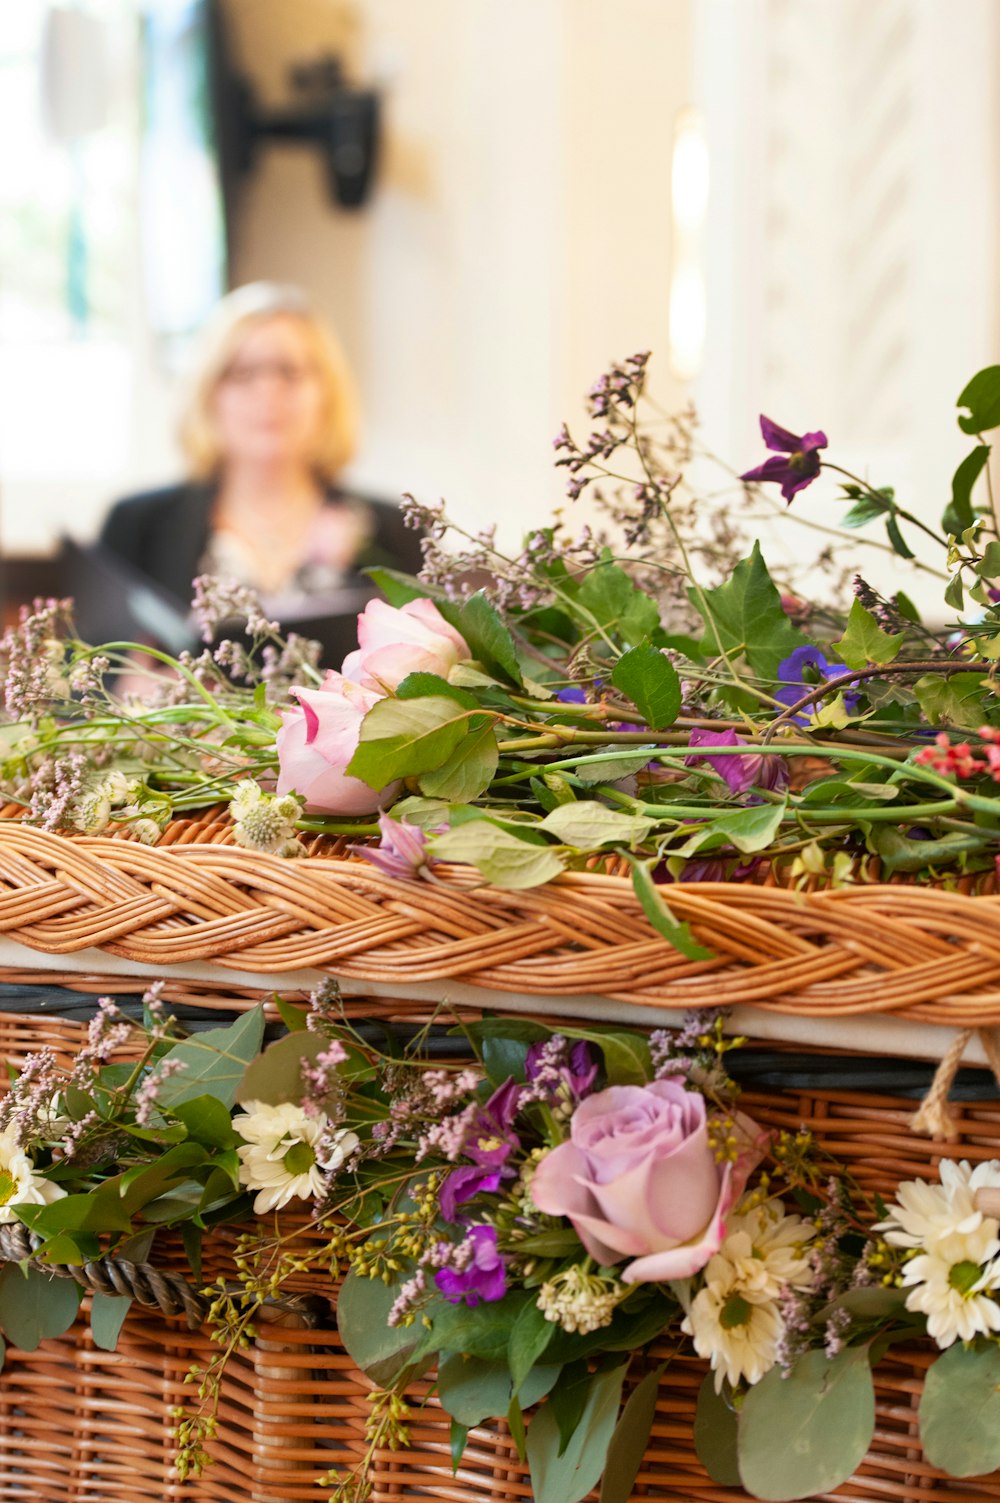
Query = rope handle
x=932 y=1119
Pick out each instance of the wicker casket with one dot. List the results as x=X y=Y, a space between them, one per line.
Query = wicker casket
x=848 y=994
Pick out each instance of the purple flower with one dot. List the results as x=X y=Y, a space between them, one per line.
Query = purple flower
x=550 y=1063
x=462 y=1184
x=484 y=1276
x=573 y=694
x=740 y=773
x=794 y=684
x=401 y=851
x=492 y=1141
x=799 y=469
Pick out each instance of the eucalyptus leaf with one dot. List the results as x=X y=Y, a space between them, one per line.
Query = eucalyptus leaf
x=473 y=1390
x=208 y=1122
x=380 y=1350
x=529 y=1336
x=214 y=1061
x=630 y=1438
x=960 y=1410
x=107 y=1316
x=276 y=1075
x=587 y=825
x=35 y=1306
x=503 y=858
x=715 y=1433
x=808 y=1432
x=569 y=1476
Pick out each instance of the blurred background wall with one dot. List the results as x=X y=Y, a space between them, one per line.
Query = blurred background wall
x=794 y=203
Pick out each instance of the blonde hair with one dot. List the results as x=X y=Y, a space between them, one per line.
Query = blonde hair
x=239 y=312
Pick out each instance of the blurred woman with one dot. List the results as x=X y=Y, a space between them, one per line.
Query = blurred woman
x=269 y=423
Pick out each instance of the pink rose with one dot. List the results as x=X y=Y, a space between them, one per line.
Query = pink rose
x=413 y=638
x=638 y=1180
x=318 y=738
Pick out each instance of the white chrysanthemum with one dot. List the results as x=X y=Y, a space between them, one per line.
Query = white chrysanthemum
x=20 y=1184
x=952 y=1282
x=735 y=1327
x=280 y=1153
x=923 y=1213
x=767 y=1250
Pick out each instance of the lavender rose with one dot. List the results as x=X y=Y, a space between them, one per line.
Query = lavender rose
x=638 y=1180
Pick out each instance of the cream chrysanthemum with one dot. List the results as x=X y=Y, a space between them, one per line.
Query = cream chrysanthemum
x=922 y=1214
x=767 y=1250
x=20 y=1184
x=734 y=1326
x=951 y=1284
x=279 y=1157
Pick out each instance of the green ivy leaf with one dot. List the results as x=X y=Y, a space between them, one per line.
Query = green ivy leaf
x=749 y=617
x=808 y=1432
x=715 y=1431
x=956 y=700
x=214 y=1061
x=107 y=1316
x=954 y=594
x=982 y=398
x=958 y=514
x=568 y=1476
x=630 y=1438
x=650 y=681
x=503 y=858
x=36 y=1306
x=960 y=1411
x=989 y=565
x=865 y=642
x=587 y=825
x=617 y=604
x=404 y=737
x=654 y=906
x=469 y=770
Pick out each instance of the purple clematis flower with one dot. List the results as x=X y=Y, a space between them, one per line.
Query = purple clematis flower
x=740 y=773
x=489 y=1146
x=484 y=1278
x=794 y=684
x=401 y=851
x=802 y=464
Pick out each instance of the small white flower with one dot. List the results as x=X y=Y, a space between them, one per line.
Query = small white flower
x=923 y=1213
x=20 y=1184
x=736 y=1327
x=92 y=811
x=579 y=1301
x=280 y=1155
x=146 y=831
x=264 y=822
x=951 y=1284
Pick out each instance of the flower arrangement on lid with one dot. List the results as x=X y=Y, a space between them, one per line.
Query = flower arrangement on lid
x=544 y=1223
x=643 y=688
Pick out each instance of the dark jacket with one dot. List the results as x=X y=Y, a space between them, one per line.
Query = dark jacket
x=164 y=533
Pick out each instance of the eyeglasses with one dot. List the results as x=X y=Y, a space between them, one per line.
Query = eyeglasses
x=285 y=372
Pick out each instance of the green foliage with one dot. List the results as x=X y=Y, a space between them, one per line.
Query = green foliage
x=276 y=1075
x=489 y=639
x=35 y=1306
x=503 y=858
x=650 y=681
x=958 y=514
x=213 y=1062
x=748 y=617
x=630 y=1438
x=715 y=1434
x=565 y=1474
x=472 y=1390
x=749 y=830
x=824 y=1413
x=612 y=600
x=405 y=737
x=378 y=1349
x=864 y=642
x=469 y=770
x=107 y=1316
x=981 y=398
x=955 y=700
x=960 y=1410
x=588 y=825
x=656 y=909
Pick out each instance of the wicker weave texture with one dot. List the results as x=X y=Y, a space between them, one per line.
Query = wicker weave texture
x=79 y=1425
x=917 y=952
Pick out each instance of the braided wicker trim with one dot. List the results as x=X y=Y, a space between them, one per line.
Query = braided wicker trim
x=918 y=952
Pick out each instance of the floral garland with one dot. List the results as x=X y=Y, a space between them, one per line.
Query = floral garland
x=528 y=1223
